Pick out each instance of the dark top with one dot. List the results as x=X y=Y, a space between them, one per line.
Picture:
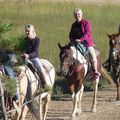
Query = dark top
x=76 y=31
x=81 y=30
x=32 y=47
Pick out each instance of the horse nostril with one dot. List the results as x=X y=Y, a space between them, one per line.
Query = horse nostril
x=64 y=72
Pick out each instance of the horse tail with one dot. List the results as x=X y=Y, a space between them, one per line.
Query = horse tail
x=105 y=74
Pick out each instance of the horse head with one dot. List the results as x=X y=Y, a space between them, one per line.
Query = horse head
x=66 y=60
x=8 y=57
x=114 y=42
x=12 y=58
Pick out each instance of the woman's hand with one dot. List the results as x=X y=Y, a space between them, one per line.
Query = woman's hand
x=77 y=40
x=24 y=55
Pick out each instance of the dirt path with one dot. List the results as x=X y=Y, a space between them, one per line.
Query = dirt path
x=107 y=108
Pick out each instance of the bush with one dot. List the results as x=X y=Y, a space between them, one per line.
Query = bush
x=9 y=42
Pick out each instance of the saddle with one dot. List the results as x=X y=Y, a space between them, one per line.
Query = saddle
x=85 y=52
x=37 y=73
x=34 y=69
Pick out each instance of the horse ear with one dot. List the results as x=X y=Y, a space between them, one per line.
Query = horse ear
x=69 y=44
x=119 y=28
x=118 y=34
x=109 y=35
x=59 y=46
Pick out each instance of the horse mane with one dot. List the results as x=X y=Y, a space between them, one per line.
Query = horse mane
x=77 y=55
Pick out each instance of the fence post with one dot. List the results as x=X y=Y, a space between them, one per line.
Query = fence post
x=3 y=110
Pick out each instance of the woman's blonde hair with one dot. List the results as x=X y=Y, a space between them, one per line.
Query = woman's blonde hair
x=76 y=10
x=30 y=27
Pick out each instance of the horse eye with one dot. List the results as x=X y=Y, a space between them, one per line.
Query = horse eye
x=66 y=55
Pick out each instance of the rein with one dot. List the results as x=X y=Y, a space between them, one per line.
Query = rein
x=74 y=61
x=70 y=74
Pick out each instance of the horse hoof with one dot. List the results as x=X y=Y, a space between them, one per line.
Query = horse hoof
x=93 y=110
x=78 y=112
x=72 y=117
x=117 y=99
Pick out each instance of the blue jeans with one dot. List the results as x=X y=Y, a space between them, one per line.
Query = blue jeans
x=9 y=72
x=37 y=63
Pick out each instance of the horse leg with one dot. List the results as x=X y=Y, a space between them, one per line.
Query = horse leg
x=118 y=89
x=17 y=107
x=24 y=112
x=45 y=107
x=22 y=91
x=40 y=108
x=76 y=98
x=79 y=109
x=71 y=88
x=95 y=88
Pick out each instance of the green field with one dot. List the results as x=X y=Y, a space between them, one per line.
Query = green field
x=52 y=20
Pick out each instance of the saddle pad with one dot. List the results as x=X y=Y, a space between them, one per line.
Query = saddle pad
x=46 y=65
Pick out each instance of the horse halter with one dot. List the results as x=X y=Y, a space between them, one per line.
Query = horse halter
x=115 y=47
x=114 y=54
x=68 y=63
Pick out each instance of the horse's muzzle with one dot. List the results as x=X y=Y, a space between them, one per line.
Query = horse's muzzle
x=61 y=73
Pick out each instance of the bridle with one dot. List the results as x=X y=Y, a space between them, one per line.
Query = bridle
x=114 y=41
x=70 y=72
x=115 y=53
x=71 y=63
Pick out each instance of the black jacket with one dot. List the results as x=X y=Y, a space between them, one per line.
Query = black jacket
x=32 y=47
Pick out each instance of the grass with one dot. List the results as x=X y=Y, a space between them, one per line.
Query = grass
x=52 y=20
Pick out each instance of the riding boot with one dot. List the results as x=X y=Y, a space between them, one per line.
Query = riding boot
x=96 y=73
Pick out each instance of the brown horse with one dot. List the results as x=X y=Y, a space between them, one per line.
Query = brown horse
x=74 y=67
x=114 y=60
